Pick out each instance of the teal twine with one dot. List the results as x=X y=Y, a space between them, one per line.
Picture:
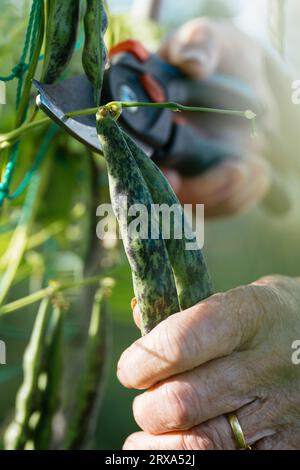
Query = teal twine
x=35 y=28
x=19 y=70
x=42 y=152
x=10 y=167
x=30 y=40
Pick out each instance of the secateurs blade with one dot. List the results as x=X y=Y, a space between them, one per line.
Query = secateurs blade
x=134 y=74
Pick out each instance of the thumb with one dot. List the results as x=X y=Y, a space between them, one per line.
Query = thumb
x=193 y=48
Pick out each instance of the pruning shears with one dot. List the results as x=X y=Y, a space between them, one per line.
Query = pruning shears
x=134 y=74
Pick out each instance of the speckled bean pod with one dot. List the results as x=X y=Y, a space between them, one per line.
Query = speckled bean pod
x=192 y=278
x=94 y=52
x=153 y=278
x=61 y=31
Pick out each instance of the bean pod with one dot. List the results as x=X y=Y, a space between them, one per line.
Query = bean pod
x=192 y=278
x=89 y=393
x=61 y=31
x=94 y=52
x=153 y=278
x=51 y=375
x=18 y=433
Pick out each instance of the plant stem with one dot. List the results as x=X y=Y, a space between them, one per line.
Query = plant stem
x=176 y=107
x=82 y=112
x=6 y=140
x=194 y=109
x=52 y=289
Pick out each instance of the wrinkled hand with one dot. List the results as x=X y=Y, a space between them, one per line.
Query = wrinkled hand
x=201 y=48
x=230 y=353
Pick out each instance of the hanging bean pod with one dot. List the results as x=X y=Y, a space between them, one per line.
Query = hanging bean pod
x=94 y=52
x=51 y=379
x=90 y=389
x=152 y=274
x=61 y=31
x=18 y=433
x=192 y=278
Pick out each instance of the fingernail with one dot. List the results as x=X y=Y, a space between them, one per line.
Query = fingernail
x=133 y=303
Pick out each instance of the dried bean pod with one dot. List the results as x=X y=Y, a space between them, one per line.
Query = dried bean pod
x=192 y=278
x=152 y=274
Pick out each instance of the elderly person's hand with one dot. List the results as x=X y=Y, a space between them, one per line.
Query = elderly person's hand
x=201 y=48
x=230 y=353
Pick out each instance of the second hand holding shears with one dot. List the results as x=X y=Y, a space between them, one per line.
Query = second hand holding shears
x=134 y=74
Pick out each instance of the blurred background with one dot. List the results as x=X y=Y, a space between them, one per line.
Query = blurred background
x=238 y=250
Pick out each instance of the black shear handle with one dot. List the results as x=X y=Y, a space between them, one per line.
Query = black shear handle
x=190 y=154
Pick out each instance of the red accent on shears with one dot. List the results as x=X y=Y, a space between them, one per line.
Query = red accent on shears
x=153 y=88
x=132 y=47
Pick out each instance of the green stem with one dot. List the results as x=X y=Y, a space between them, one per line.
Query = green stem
x=194 y=109
x=82 y=112
x=176 y=107
x=52 y=289
x=31 y=71
x=6 y=140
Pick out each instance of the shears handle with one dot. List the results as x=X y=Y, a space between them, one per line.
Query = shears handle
x=190 y=154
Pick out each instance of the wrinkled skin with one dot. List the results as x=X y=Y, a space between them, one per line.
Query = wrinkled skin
x=230 y=353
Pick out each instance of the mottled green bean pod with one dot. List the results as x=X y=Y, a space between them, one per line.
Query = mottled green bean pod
x=51 y=374
x=90 y=389
x=18 y=433
x=192 y=278
x=61 y=31
x=94 y=53
x=152 y=274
